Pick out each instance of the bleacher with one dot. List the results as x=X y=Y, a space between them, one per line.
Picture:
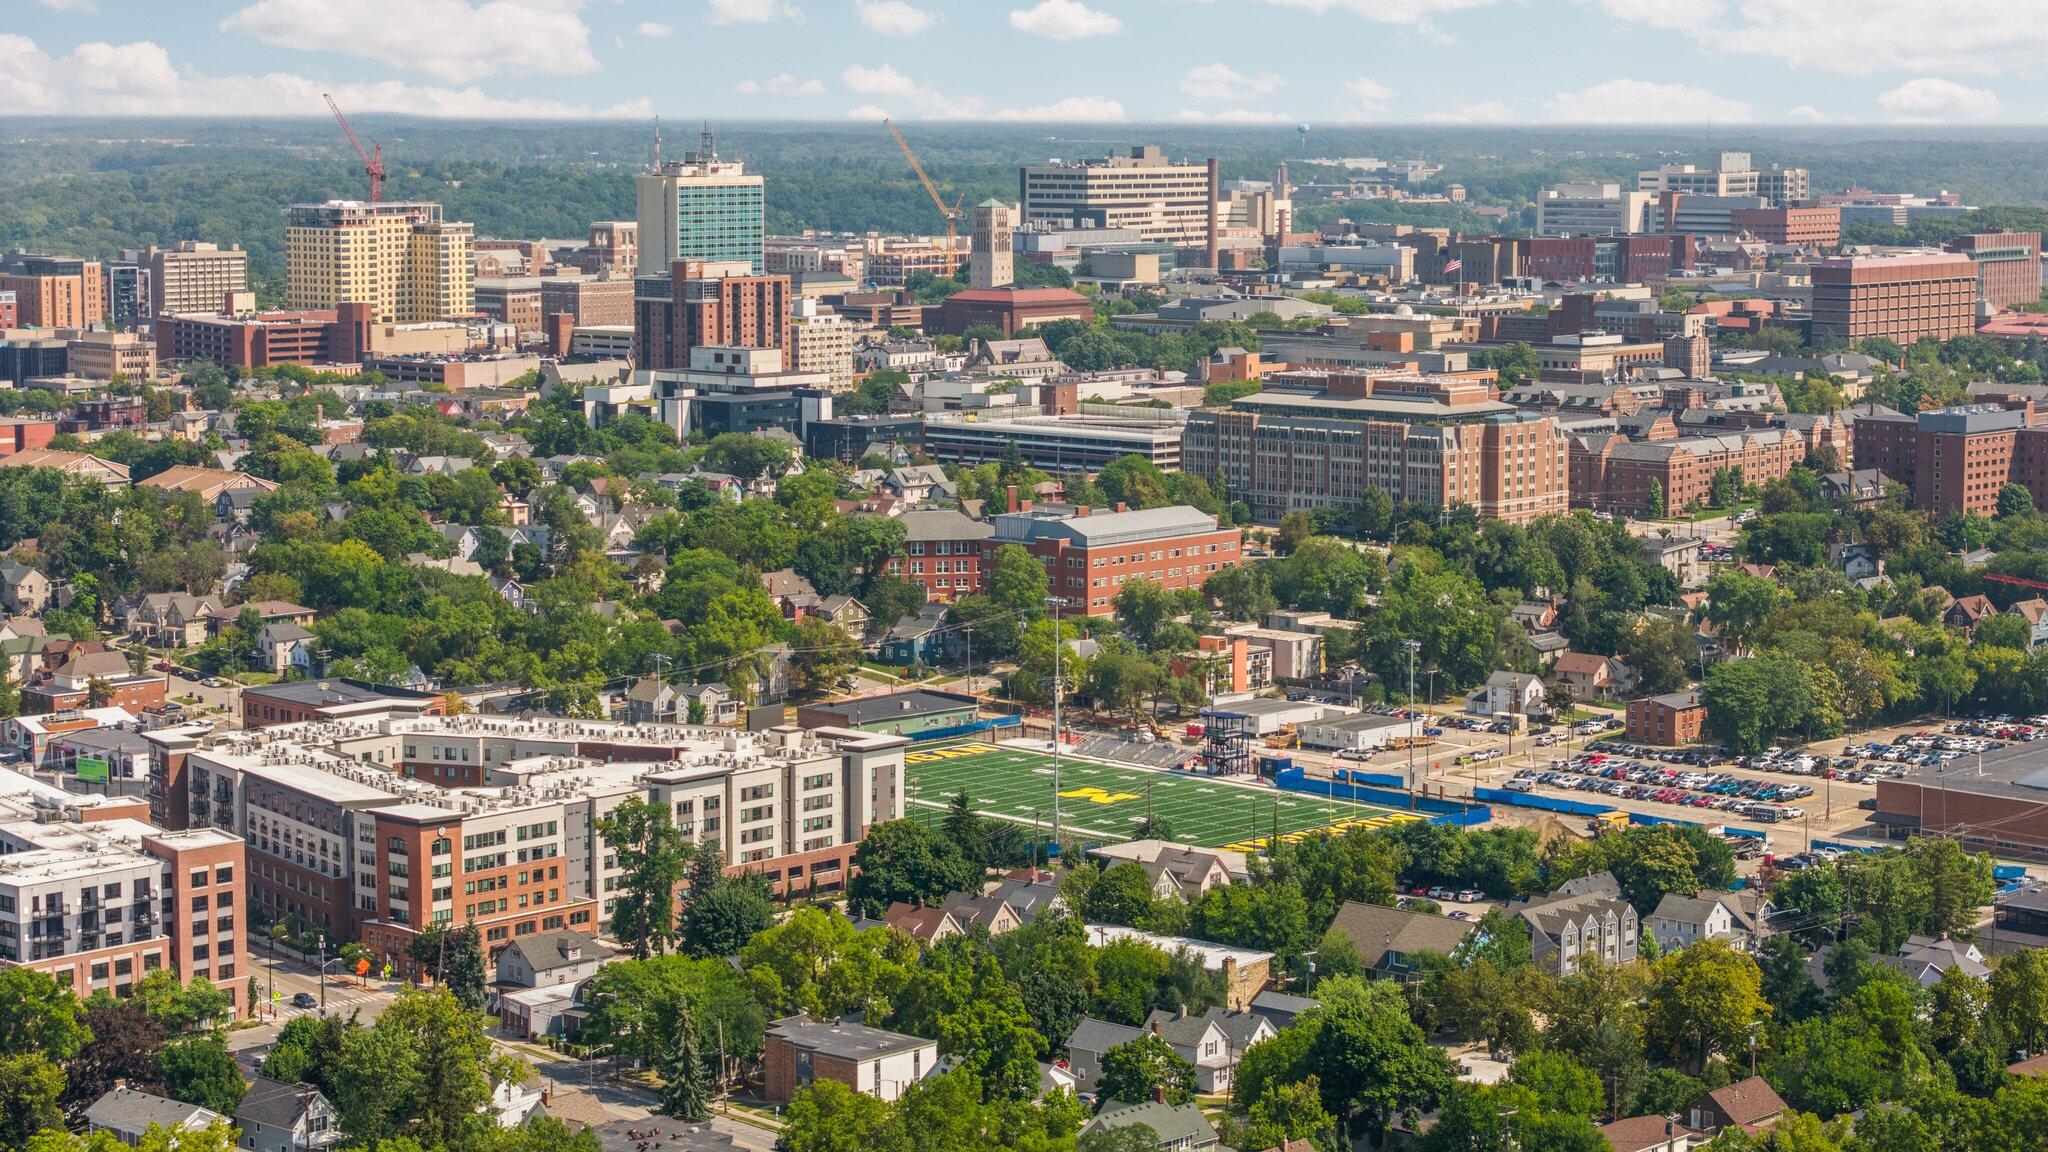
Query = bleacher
x=1122 y=750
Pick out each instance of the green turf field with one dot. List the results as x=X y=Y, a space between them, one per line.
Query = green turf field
x=1103 y=802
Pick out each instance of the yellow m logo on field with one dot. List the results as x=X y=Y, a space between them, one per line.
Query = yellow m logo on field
x=1098 y=796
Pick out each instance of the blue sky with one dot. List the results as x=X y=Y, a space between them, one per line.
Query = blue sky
x=1224 y=61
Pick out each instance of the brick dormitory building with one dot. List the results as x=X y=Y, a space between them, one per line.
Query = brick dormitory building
x=373 y=827
x=1957 y=459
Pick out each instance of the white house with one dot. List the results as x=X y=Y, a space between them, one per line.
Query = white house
x=1506 y=693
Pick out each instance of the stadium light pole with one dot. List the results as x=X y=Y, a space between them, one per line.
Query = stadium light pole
x=1413 y=647
x=1058 y=642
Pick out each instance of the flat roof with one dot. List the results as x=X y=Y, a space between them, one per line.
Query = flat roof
x=897 y=705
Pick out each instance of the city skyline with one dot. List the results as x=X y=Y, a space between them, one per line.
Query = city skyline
x=1235 y=62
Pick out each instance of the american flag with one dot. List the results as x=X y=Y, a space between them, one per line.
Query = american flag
x=1452 y=265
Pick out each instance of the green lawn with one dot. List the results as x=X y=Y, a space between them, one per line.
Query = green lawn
x=1105 y=802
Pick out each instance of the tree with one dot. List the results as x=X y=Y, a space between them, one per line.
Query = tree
x=823 y=654
x=686 y=1078
x=1374 y=1062
x=1123 y=894
x=454 y=957
x=1134 y=1071
x=1703 y=1001
x=830 y=1117
x=1017 y=582
x=29 y=1088
x=2015 y=500
x=1127 y=976
x=902 y=860
x=307 y=1050
x=1285 y=1112
x=1654 y=507
x=198 y=1070
x=2019 y=997
x=719 y=922
x=636 y=1006
x=1560 y=1083
x=425 y=1069
x=124 y=1045
x=39 y=1015
x=652 y=855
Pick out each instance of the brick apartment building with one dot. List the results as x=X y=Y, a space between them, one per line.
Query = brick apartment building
x=375 y=827
x=1613 y=474
x=1090 y=556
x=1955 y=459
x=1671 y=720
x=25 y=434
x=263 y=339
x=99 y=900
x=943 y=550
x=1901 y=298
x=1622 y=259
x=1804 y=227
x=706 y=304
x=2008 y=266
x=588 y=300
x=54 y=291
x=1318 y=439
x=10 y=309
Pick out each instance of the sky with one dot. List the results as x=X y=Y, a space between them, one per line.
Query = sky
x=1069 y=61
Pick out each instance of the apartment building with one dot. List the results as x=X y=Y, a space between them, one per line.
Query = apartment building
x=1091 y=555
x=1803 y=227
x=513 y=300
x=402 y=258
x=1610 y=473
x=376 y=827
x=54 y=291
x=1317 y=439
x=1955 y=459
x=1901 y=298
x=589 y=301
x=98 y=899
x=707 y=304
x=701 y=208
x=193 y=276
x=822 y=340
x=104 y=355
x=1162 y=200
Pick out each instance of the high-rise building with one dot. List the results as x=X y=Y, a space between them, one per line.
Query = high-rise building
x=1318 y=439
x=1592 y=209
x=992 y=262
x=128 y=291
x=401 y=258
x=2008 y=266
x=597 y=300
x=1784 y=187
x=700 y=209
x=614 y=247
x=821 y=340
x=1901 y=298
x=55 y=291
x=194 y=276
x=702 y=304
x=1731 y=177
x=1163 y=200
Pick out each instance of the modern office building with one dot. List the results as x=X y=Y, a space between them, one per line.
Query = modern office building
x=1057 y=444
x=1163 y=200
x=1592 y=209
x=54 y=291
x=1315 y=439
x=1901 y=298
x=127 y=292
x=402 y=258
x=700 y=208
x=375 y=828
x=2008 y=266
x=1091 y=555
x=105 y=355
x=194 y=276
x=1620 y=259
x=1805 y=227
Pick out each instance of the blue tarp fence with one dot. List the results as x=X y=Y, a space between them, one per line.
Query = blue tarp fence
x=1297 y=780
x=988 y=724
x=1545 y=803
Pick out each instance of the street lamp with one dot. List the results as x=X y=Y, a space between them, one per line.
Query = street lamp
x=1058 y=690
x=1413 y=647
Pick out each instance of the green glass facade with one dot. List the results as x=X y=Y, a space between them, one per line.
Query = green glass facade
x=720 y=222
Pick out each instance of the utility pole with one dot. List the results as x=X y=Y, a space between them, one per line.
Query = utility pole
x=1413 y=647
x=1058 y=690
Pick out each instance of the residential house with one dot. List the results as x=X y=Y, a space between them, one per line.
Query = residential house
x=1282 y=1009
x=174 y=619
x=1673 y=719
x=799 y=1050
x=1587 y=917
x=127 y=1113
x=845 y=611
x=1245 y=971
x=1750 y=1105
x=510 y=590
x=1534 y=615
x=719 y=704
x=1857 y=561
x=1923 y=959
x=207 y=483
x=1967 y=612
x=1179 y=1128
x=1029 y=896
x=1506 y=694
x=919 y=484
x=23 y=589
x=924 y=925
x=1213 y=1042
x=1190 y=871
x=275 y=1116
x=651 y=700
x=537 y=979
x=1678 y=555
x=1389 y=939
x=1650 y=1134
x=284 y=647
x=79 y=465
x=793 y=594
x=2035 y=612
x=988 y=912
x=1585 y=676
x=1680 y=920
x=1861 y=487
x=915 y=639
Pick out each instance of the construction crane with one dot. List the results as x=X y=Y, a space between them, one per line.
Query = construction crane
x=2016 y=581
x=952 y=214
x=373 y=162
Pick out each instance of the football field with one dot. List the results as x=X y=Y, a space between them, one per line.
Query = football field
x=1105 y=802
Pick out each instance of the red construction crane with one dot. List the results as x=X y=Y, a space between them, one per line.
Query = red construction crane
x=2018 y=581
x=373 y=162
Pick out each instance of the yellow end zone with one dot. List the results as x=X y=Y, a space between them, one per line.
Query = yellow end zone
x=953 y=753
x=1098 y=796
x=1339 y=828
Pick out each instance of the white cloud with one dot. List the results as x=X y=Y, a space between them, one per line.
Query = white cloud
x=139 y=79
x=1064 y=20
x=893 y=17
x=1930 y=100
x=1414 y=13
x=1478 y=112
x=70 y=5
x=1072 y=110
x=449 y=40
x=1232 y=116
x=1368 y=97
x=753 y=11
x=1224 y=84
x=782 y=84
x=1645 y=102
x=906 y=96
x=654 y=31
x=1808 y=113
x=1861 y=37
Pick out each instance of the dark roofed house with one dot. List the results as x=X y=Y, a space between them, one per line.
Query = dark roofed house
x=800 y=1050
x=1582 y=917
x=126 y=1114
x=1387 y=939
x=279 y=1117
x=1281 y=1009
x=1649 y=1134
x=550 y=958
x=1750 y=1105
x=924 y=925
